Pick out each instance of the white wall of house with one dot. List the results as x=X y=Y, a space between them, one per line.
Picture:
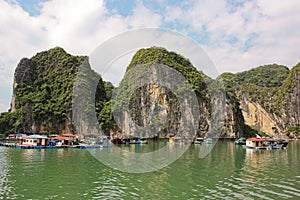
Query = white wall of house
x=32 y=142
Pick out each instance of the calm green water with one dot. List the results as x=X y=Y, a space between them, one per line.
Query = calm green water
x=229 y=172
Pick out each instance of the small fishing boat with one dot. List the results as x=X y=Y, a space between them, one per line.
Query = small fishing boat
x=176 y=140
x=129 y=140
x=240 y=141
x=198 y=140
x=138 y=141
x=209 y=141
x=277 y=144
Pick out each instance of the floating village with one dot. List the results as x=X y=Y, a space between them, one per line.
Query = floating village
x=36 y=141
x=68 y=140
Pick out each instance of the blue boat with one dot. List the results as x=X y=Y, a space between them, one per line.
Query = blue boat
x=209 y=141
x=240 y=141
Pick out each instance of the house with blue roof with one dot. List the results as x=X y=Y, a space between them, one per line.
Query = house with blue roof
x=36 y=140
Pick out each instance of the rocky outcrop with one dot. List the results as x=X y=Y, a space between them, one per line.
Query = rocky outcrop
x=288 y=101
x=234 y=121
x=257 y=117
x=158 y=103
x=272 y=110
x=43 y=89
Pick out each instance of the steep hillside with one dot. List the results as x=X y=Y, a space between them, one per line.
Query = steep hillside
x=288 y=101
x=144 y=98
x=42 y=96
x=156 y=106
x=267 y=97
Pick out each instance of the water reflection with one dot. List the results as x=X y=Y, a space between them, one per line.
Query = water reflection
x=262 y=169
x=6 y=189
x=229 y=172
x=32 y=155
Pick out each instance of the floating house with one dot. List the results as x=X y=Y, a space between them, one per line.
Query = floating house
x=11 y=137
x=263 y=143
x=69 y=135
x=61 y=140
x=36 y=140
x=255 y=142
x=73 y=137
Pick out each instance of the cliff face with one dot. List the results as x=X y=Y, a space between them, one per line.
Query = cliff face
x=287 y=114
x=256 y=116
x=154 y=108
x=151 y=99
x=269 y=98
x=234 y=121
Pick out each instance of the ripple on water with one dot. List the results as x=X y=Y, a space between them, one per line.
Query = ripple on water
x=223 y=174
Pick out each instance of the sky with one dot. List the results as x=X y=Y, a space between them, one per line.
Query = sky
x=236 y=35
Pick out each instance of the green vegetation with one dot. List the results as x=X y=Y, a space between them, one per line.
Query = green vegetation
x=251 y=132
x=158 y=55
x=261 y=84
x=139 y=67
x=49 y=92
x=289 y=83
x=264 y=76
x=9 y=122
x=293 y=130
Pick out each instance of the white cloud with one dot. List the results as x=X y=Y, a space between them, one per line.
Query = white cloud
x=19 y=36
x=144 y=17
x=244 y=36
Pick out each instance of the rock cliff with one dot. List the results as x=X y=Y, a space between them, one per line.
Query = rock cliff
x=269 y=98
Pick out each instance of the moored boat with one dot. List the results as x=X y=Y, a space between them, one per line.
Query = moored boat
x=240 y=141
x=138 y=141
x=127 y=140
x=198 y=140
x=209 y=140
x=176 y=140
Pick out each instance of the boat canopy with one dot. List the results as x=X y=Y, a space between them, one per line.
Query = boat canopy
x=61 y=138
x=68 y=135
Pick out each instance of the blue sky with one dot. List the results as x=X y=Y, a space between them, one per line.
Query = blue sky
x=236 y=34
